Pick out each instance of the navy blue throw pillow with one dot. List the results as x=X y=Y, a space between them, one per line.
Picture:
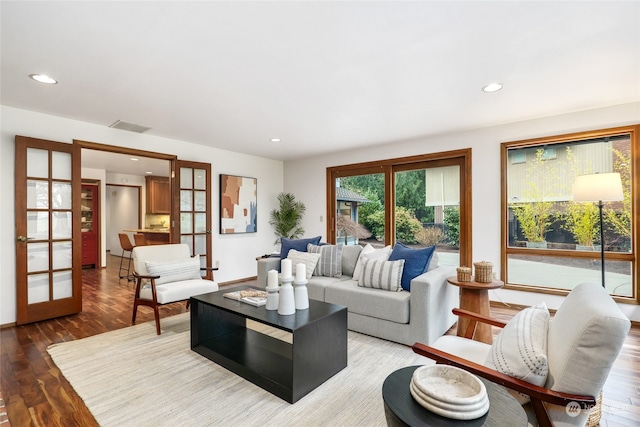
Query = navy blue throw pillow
x=416 y=261
x=298 y=244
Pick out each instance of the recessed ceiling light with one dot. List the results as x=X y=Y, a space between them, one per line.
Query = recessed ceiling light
x=275 y=140
x=134 y=159
x=492 y=87
x=148 y=172
x=43 y=78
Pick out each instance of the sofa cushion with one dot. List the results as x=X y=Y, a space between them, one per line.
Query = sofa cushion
x=330 y=263
x=370 y=252
x=416 y=261
x=310 y=260
x=297 y=244
x=317 y=285
x=350 y=255
x=376 y=303
x=520 y=350
x=174 y=271
x=386 y=275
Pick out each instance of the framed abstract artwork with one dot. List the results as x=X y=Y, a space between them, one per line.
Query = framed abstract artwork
x=238 y=204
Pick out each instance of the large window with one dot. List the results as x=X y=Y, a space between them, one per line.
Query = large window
x=419 y=201
x=553 y=243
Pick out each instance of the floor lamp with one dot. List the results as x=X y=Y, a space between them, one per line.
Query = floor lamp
x=598 y=187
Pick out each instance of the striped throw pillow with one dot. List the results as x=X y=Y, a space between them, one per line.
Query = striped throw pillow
x=385 y=275
x=174 y=271
x=330 y=262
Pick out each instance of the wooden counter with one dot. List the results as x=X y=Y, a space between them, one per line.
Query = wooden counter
x=153 y=236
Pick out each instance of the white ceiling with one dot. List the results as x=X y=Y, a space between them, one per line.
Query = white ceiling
x=322 y=76
x=123 y=164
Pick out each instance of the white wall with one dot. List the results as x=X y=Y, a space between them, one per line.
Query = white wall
x=306 y=178
x=112 y=229
x=122 y=206
x=236 y=252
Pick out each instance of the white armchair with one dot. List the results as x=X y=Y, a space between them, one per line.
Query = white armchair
x=583 y=340
x=166 y=274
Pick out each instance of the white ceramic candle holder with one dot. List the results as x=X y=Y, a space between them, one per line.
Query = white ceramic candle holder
x=301 y=294
x=272 y=298
x=286 y=302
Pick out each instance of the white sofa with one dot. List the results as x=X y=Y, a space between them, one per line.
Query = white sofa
x=422 y=315
x=166 y=274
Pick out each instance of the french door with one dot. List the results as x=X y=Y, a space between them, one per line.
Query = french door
x=192 y=209
x=48 y=240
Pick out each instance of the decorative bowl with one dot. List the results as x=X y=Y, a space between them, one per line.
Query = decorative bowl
x=450 y=392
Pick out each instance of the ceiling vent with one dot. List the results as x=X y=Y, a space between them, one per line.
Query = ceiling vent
x=131 y=127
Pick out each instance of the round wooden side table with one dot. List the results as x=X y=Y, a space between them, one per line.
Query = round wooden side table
x=474 y=296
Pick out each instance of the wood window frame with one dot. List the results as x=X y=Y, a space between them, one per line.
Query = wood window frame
x=388 y=167
x=506 y=250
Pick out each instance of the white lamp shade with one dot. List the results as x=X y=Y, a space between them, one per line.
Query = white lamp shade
x=597 y=187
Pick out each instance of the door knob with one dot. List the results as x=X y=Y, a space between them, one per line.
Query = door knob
x=22 y=239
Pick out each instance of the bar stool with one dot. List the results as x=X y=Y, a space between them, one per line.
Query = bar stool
x=140 y=239
x=126 y=245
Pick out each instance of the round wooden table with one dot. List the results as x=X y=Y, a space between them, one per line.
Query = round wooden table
x=401 y=409
x=474 y=296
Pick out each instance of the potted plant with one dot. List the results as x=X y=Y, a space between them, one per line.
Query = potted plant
x=534 y=219
x=286 y=220
x=582 y=221
x=535 y=210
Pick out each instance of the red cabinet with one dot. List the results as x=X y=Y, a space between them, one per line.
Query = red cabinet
x=89 y=220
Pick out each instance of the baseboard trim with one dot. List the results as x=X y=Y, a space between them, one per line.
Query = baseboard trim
x=235 y=282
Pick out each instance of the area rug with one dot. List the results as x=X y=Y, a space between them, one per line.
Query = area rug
x=134 y=377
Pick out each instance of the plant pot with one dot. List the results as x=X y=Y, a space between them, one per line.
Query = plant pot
x=537 y=245
x=587 y=248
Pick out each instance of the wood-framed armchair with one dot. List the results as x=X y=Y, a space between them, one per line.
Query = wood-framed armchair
x=583 y=340
x=165 y=274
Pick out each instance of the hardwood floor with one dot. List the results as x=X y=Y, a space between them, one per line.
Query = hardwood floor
x=36 y=394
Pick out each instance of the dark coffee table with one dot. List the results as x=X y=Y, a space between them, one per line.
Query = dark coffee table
x=401 y=409
x=289 y=370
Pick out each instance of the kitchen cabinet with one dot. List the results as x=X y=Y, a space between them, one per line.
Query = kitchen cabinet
x=158 y=195
x=89 y=224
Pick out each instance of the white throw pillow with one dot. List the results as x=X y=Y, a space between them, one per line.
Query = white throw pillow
x=175 y=270
x=308 y=259
x=370 y=252
x=520 y=350
x=435 y=262
x=385 y=275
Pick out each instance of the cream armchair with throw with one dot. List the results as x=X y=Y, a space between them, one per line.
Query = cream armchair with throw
x=576 y=350
x=166 y=274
